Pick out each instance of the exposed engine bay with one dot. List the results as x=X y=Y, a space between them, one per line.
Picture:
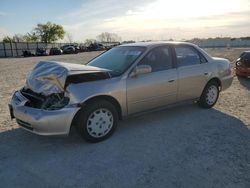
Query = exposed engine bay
x=52 y=102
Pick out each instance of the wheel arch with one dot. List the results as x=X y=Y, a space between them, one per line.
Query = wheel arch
x=202 y=97
x=217 y=80
x=108 y=98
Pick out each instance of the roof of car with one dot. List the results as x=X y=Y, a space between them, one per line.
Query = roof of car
x=153 y=44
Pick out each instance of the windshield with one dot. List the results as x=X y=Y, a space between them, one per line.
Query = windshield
x=118 y=59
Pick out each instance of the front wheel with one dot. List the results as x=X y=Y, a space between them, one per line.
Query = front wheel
x=97 y=121
x=209 y=95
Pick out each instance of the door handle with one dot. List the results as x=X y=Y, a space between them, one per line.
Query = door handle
x=171 y=81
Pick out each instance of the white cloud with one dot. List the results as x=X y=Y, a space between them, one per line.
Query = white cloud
x=4 y=32
x=159 y=19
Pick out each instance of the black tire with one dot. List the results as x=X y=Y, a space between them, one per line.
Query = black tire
x=204 y=101
x=87 y=111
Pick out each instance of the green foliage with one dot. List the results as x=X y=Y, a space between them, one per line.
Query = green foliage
x=49 y=32
x=31 y=37
x=15 y=38
x=7 y=39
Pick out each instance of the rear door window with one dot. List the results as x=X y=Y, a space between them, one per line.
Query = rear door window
x=187 y=56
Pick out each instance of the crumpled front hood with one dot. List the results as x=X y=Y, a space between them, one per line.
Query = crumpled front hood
x=49 y=77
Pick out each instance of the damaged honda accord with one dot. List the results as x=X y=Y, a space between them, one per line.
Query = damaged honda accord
x=123 y=81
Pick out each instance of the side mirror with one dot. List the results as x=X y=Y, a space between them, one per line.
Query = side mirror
x=141 y=69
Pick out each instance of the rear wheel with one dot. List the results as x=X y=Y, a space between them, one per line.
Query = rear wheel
x=209 y=95
x=97 y=121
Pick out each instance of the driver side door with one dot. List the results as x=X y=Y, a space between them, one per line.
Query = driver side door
x=154 y=89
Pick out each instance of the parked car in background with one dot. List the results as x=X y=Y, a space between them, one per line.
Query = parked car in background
x=70 y=50
x=27 y=53
x=95 y=47
x=83 y=48
x=55 y=51
x=123 y=81
x=41 y=52
x=242 y=65
x=75 y=46
x=66 y=46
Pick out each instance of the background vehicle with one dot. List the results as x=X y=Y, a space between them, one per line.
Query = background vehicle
x=55 y=51
x=95 y=47
x=27 y=53
x=242 y=65
x=70 y=50
x=123 y=81
x=41 y=52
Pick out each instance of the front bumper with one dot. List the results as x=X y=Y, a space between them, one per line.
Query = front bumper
x=39 y=121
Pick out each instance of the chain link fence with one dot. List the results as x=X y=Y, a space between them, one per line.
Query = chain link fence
x=16 y=49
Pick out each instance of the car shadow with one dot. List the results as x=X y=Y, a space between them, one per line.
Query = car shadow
x=183 y=146
x=245 y=82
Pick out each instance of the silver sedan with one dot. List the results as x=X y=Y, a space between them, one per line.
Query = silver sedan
x=126 y=80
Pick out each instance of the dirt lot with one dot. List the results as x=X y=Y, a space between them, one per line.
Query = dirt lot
x=183 y=146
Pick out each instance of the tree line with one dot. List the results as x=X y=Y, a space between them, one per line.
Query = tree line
x=51 y=32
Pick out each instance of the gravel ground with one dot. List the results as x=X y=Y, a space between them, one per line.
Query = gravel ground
x=182 y=146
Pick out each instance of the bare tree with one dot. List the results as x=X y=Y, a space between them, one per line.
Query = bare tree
x=108 y=37
x=89 y=41
x=69 y=37
x=18 y=38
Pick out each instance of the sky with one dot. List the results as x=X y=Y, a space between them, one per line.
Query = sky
x=130 y=19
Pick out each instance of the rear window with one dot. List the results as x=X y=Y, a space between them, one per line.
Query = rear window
x=241 y=55
x=247 y=55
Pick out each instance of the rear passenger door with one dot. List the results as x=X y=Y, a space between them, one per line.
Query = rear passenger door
x=191 y=72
